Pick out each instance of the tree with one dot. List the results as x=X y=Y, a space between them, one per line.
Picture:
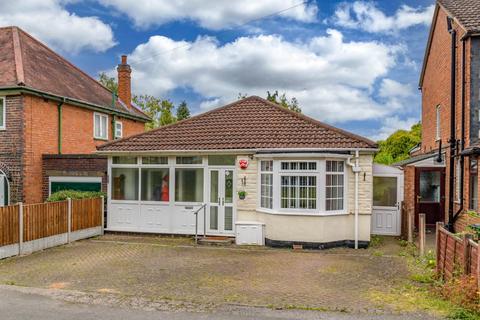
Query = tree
x=166 y=116
x=151 y=106
x=182 y=111
x=283 y=101
x=108 y=82
x=396 y=147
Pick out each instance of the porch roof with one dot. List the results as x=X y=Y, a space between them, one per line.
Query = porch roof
x=252 y=123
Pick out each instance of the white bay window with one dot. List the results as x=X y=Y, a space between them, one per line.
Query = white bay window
x=301 y=186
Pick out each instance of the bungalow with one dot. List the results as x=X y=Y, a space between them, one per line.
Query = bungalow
x=251 y=163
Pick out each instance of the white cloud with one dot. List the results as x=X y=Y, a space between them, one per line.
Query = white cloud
x=212 y=14
x=390 y=88
x=392 y=124
x=332 y=79
x=366 y=16
x=49 y=21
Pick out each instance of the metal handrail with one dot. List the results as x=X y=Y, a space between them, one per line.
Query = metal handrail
x=204 y=207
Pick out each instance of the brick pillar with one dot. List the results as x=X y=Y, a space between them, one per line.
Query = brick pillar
x=124 y=81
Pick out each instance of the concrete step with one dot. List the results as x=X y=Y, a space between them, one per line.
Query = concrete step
x=216 y=241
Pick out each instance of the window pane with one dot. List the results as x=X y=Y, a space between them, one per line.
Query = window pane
x=266 y=193
x=2 y=111
x=430 y=186
x=228 y=186
x=385 y=191
x=124 y=184
x=189 y=184
x=189 y=160
x=155 y=184
x=154 y=160
x=473 y=185
x=334 y=185
x=298 y=165
x=228 y=225
x=97 y=125
x=298 y=192
x=124 y=160
x=266 y=165
x=103 y=131
x=214 y=218
x=221 y=160
x=118 y=130
x=214 y=186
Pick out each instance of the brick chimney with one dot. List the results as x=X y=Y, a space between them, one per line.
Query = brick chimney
x=124 y=81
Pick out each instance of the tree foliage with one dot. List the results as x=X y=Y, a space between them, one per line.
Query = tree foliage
x=396 y=147
x=108 y=82
x=283 y=101
x=182 y=111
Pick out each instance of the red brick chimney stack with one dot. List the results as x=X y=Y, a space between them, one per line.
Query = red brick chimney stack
x=124 y=81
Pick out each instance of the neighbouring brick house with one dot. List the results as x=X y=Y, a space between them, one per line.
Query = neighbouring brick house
x=52 y=116
x=441 y=177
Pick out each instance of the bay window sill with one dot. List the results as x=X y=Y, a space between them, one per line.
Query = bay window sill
x=299 y=213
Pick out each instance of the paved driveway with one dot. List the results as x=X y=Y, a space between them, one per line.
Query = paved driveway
x=170 y=274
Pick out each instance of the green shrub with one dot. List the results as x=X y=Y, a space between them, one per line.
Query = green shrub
x=73 y=194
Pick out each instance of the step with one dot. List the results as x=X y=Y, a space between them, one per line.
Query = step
x=216 y=241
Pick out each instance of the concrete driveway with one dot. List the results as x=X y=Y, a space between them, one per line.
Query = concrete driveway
x=166 y=274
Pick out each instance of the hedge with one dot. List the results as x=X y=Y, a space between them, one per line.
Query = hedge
x=73 y=194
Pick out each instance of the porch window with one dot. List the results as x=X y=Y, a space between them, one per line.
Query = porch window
x=124 y=160
x=266 y=184
x=221 y=160
x=155 y=184
x=100 y=126
x=334 y=185
x=3 y=114
x=473 y=182
x=189 y=184
x=154 y=160
x=189 y=160
x=124 y=183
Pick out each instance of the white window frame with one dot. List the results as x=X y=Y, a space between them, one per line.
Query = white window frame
x=437 y=123
x=3 y=126
x=345 y=182
x=271 y=173
x=100 y=115
x=319 y=173
x=117 y=124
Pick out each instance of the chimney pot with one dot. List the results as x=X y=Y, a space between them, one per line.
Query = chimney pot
x=124 y=81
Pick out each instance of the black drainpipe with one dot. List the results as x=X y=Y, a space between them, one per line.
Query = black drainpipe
x=462 y=140
x=452 y=140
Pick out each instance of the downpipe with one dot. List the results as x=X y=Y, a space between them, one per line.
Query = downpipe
x=356 y=169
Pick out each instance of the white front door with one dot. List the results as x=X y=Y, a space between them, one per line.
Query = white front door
x=387 y=198
x=2 y=191
x=220 y=216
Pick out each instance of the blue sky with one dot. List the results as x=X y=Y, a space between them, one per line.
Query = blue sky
x=353 y=64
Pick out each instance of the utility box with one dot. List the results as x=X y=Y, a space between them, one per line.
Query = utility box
x=250 y=233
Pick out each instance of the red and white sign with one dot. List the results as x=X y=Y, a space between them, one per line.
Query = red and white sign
x=243 y=163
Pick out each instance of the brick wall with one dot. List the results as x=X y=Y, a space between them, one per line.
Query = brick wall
x=73 y=166
x=11 y=147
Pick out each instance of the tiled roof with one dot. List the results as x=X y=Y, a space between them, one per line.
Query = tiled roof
x=466 y=12
x=252 y=123
x=26 y=62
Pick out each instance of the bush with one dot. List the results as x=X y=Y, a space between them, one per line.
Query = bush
x=73 y=194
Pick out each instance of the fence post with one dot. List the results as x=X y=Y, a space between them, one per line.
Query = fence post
x=103 y=216
x=466 y=253
x=410 y=225
x=421 y=233
x=20 y=228
x=69 y=218
x=437 y=244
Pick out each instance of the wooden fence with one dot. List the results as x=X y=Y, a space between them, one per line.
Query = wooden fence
x=28 y=228
x=455 y=255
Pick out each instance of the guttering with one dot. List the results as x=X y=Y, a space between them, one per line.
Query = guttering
x=75 y=102
x=356 y=169
x=452 y=141
x=60 y=104
x=233 y=151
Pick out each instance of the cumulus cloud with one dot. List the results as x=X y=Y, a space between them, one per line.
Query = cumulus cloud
x=392 y=124
x=333 y=79
x=366 y=16
x=390 y=88
x=49 y=21
x=212 y=14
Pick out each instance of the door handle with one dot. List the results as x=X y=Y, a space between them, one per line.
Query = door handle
x=223 y=201
x=218 y=200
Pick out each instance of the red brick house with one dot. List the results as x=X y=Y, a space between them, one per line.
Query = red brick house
x=52 y=117
x=441 y=177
